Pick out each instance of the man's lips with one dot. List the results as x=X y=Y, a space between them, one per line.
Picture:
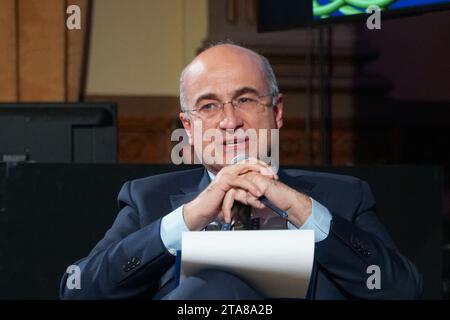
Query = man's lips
x=235 y=141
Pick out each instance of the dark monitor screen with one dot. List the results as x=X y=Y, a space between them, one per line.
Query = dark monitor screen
x=58 y=132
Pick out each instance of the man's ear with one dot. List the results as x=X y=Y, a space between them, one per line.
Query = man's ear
x=278 y=111
x=187 y=124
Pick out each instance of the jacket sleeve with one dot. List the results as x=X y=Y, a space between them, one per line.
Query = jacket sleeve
x=127 y=263
x=352 y=246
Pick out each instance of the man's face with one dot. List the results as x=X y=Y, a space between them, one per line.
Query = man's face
x=222 y=74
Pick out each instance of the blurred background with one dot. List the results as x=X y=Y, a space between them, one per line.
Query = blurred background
x=353 y=96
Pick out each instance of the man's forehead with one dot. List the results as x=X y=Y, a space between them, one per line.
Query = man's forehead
x=227 y=53
x=222 y=58
x=222 y=78
x=195 y=68
x=226 y=91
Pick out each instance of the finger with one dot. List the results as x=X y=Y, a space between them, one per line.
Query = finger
x=240 y=195
x=219 y=216
x=227 y=204
x=254 y=202
x=246 y=184
x=248 y=199
x=253 y=160
x=244 y=168
x=269 y=172
x=265 y=169
x=258 y=161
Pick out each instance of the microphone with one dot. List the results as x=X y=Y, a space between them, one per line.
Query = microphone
x=241 y=216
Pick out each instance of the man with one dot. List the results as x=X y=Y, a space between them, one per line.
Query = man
x=227 y=88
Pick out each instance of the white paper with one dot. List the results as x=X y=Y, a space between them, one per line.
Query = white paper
x=277 y=263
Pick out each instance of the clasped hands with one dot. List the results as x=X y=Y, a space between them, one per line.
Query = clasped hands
x=245 y=182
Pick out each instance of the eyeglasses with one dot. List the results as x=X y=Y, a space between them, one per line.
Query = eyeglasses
x=250 y=103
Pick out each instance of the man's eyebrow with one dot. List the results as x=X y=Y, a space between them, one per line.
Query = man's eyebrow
x=237 y=93
x=207 y=96
x=245 y=90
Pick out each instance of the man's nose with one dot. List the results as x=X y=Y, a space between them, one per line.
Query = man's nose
x=231 y=119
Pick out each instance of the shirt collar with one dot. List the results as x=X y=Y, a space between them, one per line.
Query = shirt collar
x=211 y=175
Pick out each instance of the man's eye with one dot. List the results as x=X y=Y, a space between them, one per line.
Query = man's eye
x=207 y=107
x=246 y=100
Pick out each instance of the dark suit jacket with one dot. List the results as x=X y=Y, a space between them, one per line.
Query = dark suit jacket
x=130 y=261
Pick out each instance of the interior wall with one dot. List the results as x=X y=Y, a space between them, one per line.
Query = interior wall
x=140 y=47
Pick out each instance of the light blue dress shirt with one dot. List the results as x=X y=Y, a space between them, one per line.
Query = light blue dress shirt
x=173 y=225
